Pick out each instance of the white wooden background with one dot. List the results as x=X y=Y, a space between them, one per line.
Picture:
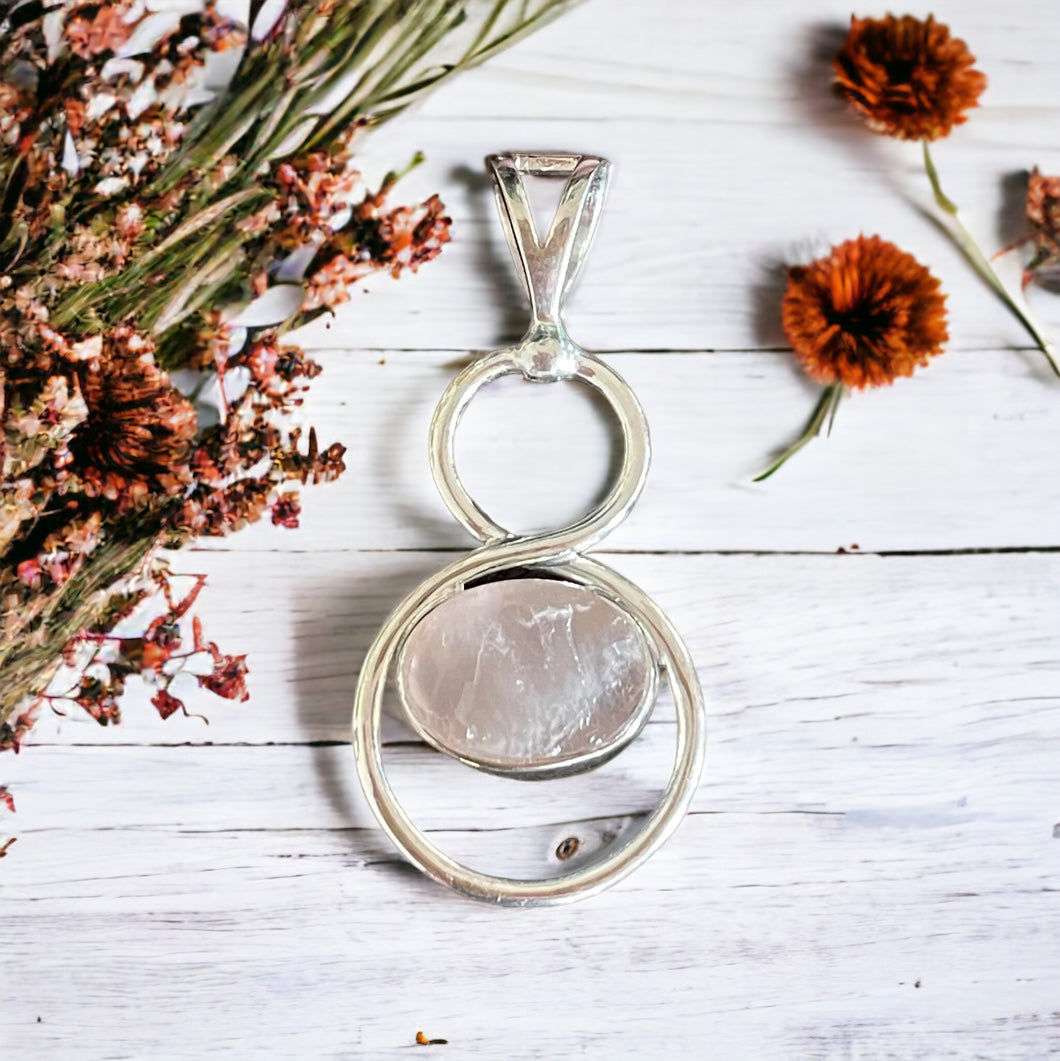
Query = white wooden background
x=871 y=869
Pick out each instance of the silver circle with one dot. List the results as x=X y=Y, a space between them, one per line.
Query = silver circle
x=505 y=891
x=629 y=481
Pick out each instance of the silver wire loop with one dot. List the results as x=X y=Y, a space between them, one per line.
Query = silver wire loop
x=546 y=353
x=592 y=528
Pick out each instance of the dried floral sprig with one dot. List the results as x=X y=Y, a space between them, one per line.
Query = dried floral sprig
x=910 y=79
x=1043 y=216
x=964 y=240
x=139 y=214
x=862 y=316
x=99 y=661
x=7 y=806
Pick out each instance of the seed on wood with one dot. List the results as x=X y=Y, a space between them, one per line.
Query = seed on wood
x=424 y=1041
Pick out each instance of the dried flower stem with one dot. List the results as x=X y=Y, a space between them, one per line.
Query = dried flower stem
x=29 y=662
x=381 y=89
x=964 y=240
x=821 y=420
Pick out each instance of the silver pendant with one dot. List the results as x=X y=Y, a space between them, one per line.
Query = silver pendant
x=526 y=658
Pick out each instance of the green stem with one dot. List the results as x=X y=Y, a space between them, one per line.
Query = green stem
x=382 y=98
x=822 y=418
x=29 y=659
x=982 y=265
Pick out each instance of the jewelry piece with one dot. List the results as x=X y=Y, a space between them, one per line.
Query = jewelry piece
x=525 y=658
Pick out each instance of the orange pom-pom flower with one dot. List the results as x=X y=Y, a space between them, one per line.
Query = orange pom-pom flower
x=907 y=76
x=861 y=316
x=864 y=314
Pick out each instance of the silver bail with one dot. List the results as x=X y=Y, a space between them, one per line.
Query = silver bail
x=549 y=265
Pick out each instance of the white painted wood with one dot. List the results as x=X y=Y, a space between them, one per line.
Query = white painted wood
x=879 y=810
x=960 y=457
x=872 y=867
x=692 y=251
x=815 y=633
x=760 y=935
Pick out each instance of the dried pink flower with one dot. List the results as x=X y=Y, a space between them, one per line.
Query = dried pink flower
x=286 y=510
x=95 y=29
x=228 y=678
x=167 y=704
x=138 y=435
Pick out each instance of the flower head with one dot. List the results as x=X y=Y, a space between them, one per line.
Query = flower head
x=286 y=509
x=138 y=436
x=864 y=314
x=228 y=679
x=167 y=704
x=907 y=77
x=13 y=732
x=98 y=29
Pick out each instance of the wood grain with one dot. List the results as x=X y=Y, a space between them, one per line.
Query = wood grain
x=798 y=638
x=872 y=866
x=732 y=159
x=804 y=935
x=879 y=812
x=958 y=458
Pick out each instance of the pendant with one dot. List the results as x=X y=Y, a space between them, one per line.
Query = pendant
x=526 y=658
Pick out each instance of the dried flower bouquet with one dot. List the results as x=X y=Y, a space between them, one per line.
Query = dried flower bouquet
x=140 y=211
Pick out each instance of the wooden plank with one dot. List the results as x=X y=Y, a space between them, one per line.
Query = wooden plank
x=690 y=256
x=917 y=762
x=695 y=64
x=960 y=456
x=804 y=935
x=886 y=767
x=923 y=645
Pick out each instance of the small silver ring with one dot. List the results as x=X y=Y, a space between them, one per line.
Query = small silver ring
x=592 y=528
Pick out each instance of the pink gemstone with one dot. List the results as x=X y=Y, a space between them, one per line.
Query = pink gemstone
x=531 y=677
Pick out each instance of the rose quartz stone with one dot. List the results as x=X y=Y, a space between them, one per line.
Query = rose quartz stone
x=527 y=676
